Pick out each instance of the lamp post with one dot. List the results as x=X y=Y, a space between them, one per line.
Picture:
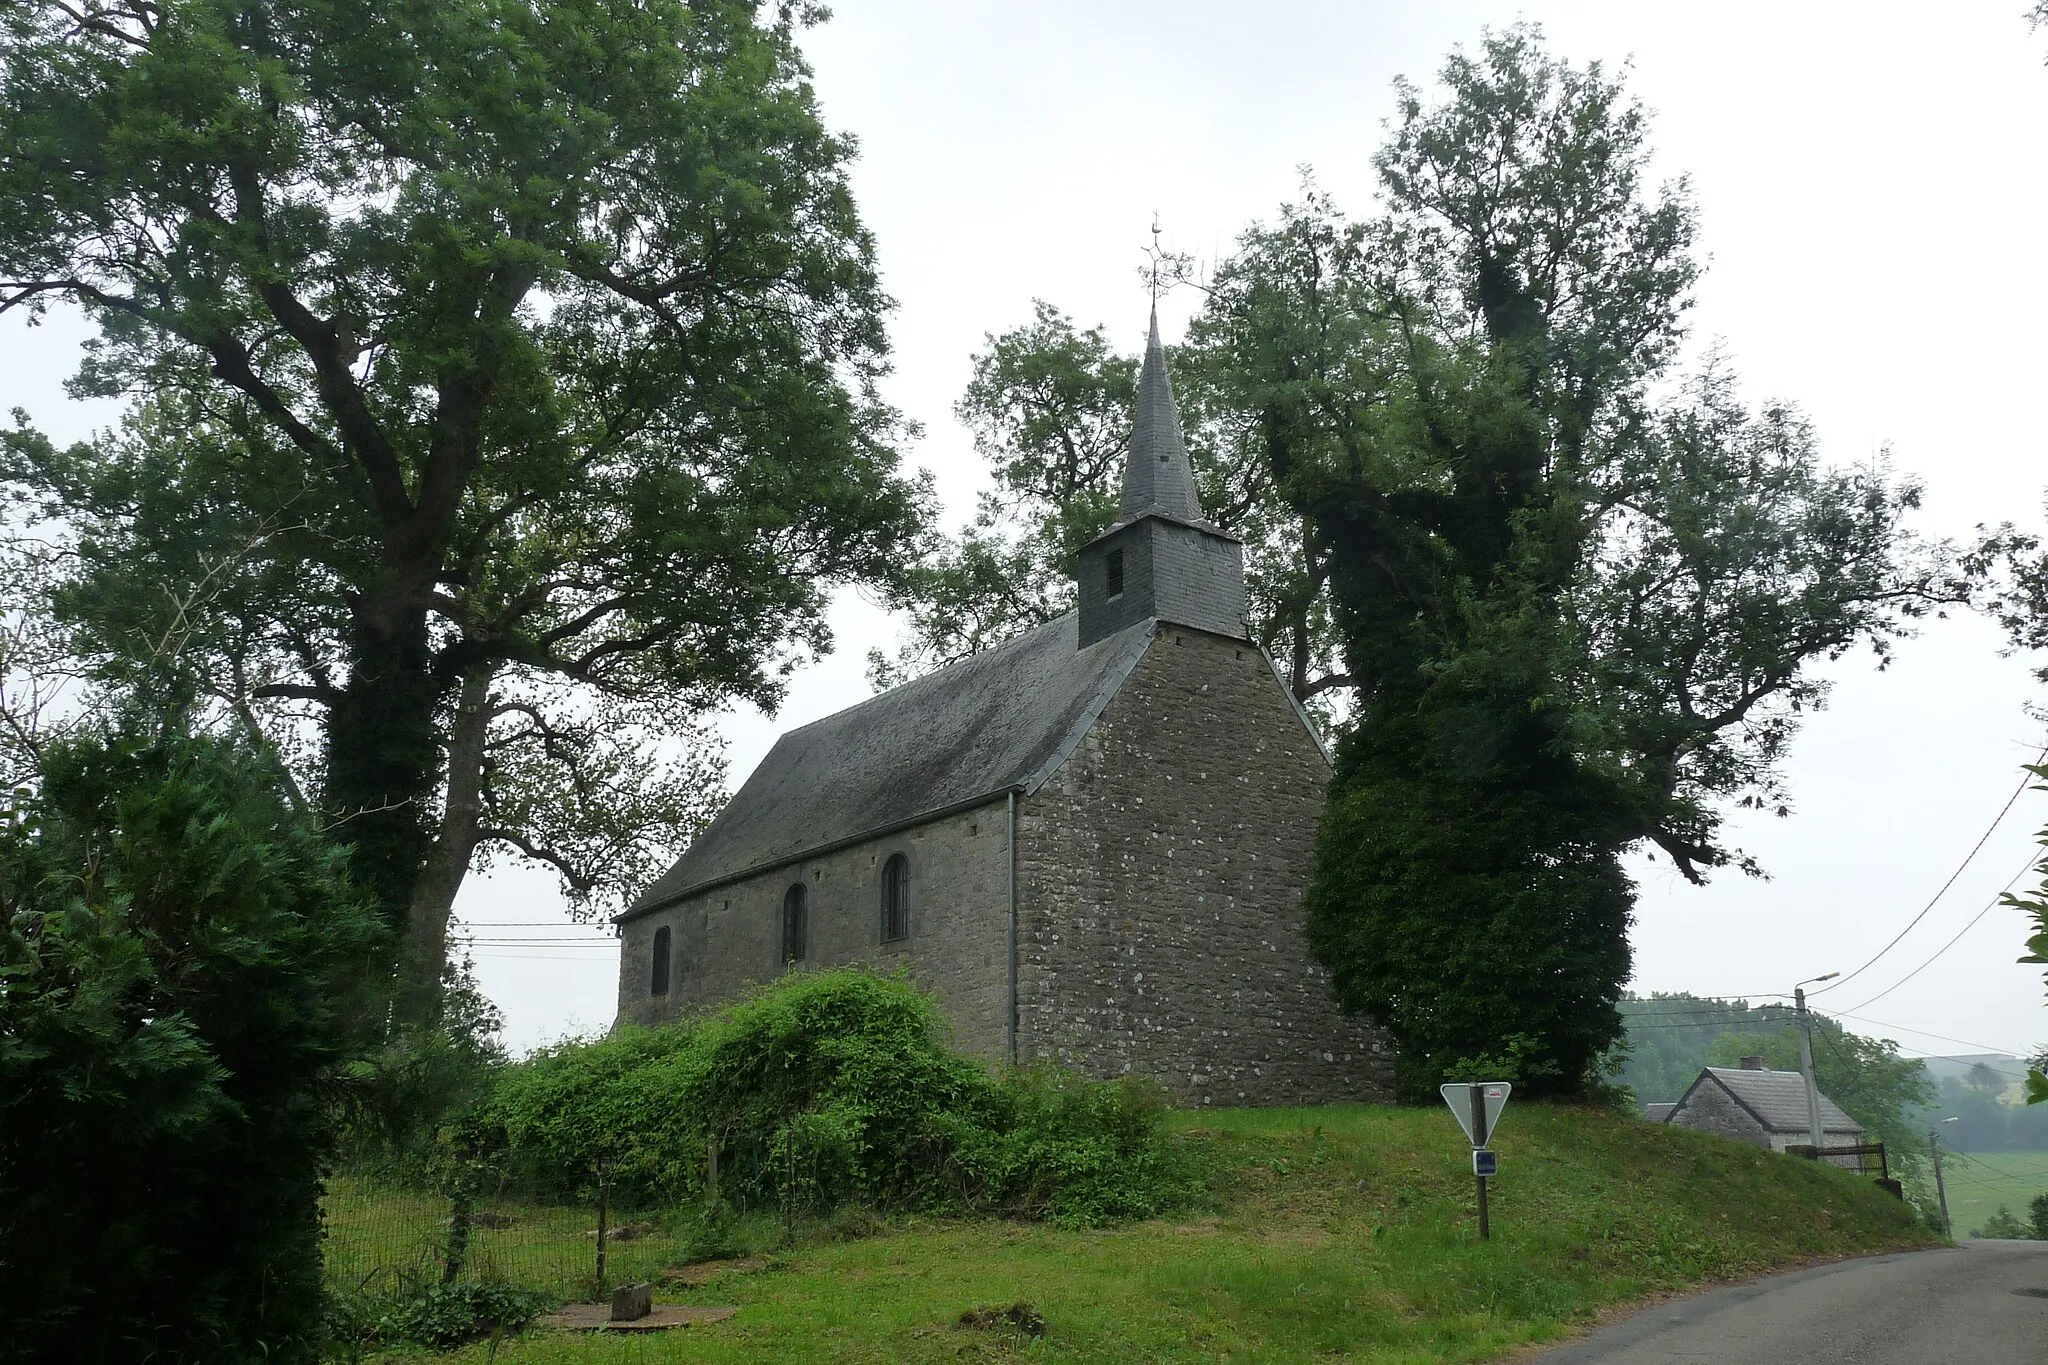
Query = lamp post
x=1806 y=1059
x=1940 y=1190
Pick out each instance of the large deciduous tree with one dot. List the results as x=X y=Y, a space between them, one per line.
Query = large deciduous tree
x=1579 y=620
x=1049 y=407
x=505 y=394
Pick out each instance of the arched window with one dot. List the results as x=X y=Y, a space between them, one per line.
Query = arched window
x=796 y=927
x=657 y=983
x=895 y=898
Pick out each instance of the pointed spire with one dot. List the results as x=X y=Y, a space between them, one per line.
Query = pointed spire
x=1158 y=479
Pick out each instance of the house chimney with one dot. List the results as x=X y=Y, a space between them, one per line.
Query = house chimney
x=1753 y=1064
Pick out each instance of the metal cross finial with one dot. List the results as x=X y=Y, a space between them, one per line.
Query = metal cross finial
x=1155 y=255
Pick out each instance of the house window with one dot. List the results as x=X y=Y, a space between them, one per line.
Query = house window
x=895 y=898
x=796 y=923
x=1113 y=571
x=657 y=983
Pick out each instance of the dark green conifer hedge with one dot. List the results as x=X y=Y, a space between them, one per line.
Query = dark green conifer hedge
x=181 y=961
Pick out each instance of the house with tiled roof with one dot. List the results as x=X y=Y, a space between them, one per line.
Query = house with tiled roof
x=1754 y=1104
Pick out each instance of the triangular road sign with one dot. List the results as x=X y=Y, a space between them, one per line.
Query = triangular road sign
x=1493 y=1097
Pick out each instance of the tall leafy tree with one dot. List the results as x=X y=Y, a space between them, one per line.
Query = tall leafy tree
x=1049 y=406
x=1575 y=618
x=506 y=393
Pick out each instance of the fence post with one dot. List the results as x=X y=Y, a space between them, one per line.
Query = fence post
x=604 y=1210
x=711 y=1175
x=457 y=1254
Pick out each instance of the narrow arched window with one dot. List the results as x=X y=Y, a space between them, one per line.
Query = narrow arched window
x=657 y=981
x=895 y=898
x=795 y=923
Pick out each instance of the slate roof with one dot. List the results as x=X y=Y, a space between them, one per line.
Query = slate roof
x=1778 y=1099
x=995 y=721
x=1158 y=480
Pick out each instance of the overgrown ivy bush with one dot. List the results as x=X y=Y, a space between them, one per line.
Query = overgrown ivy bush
x=824 y=1089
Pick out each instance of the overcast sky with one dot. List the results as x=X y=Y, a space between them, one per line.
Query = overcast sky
x=1871 y=209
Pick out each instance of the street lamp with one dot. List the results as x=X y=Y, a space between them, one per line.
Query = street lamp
x=1806 y=1059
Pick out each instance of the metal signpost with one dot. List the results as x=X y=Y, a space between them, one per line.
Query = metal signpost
x=1477 y=1106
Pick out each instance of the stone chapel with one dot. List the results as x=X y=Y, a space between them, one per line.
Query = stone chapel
x=1089 y=843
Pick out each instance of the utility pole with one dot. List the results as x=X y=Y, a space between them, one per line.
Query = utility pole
x=1806 y=1060
x=1940 y=1190
x=1806 y=1070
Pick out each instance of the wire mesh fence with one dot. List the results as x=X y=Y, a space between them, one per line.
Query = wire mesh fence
x=386 y=1239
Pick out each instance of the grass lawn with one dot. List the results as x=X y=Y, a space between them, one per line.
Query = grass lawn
x=1345 y=1230
x=1978 y=1182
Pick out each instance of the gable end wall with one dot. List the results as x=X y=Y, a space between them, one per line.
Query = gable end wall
x=1709 y=1108
x=1160 y=878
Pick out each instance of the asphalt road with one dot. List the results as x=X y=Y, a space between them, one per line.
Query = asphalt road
x=1979 y=1302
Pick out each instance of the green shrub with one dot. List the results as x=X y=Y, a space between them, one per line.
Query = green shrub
x=2002 y=1224
x=825 y=1089
x=181 y=965
x=399 y=1099
x=439 y=1317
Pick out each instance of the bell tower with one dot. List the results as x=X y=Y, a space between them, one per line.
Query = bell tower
x=1163 y=558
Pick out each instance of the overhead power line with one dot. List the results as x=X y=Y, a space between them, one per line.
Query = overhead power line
x=1991 y=905
x=1975 y=849
x=1925 y=1033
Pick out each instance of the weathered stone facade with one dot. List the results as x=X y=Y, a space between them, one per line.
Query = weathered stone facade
x=1710 y=1109
x=728 y=937
x=1109 y=822
x=1160 y=873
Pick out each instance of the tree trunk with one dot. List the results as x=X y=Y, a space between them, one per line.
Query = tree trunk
x=447 y=862
x=383 y=755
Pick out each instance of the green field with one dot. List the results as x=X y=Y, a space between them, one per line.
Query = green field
x=1343 y=1231
x=1978 y=1182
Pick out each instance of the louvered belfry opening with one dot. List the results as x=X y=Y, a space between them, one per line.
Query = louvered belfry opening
x=1163 y=560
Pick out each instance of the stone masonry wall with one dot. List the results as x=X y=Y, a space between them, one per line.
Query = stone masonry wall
x=727 y=937
x=1710 y=1109
x=1160 y=878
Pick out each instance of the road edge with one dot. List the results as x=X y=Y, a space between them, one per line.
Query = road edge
x=1638 y=1319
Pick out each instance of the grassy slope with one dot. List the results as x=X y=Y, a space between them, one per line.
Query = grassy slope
x=1978 y=1182
x=1334 y=1230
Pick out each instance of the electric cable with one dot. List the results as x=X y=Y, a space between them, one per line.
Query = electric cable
x=1925 y=1033
x=1976 y=848
x=2032 y=861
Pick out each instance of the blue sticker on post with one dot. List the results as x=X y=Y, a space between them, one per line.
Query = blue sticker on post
x=1484 y=1162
